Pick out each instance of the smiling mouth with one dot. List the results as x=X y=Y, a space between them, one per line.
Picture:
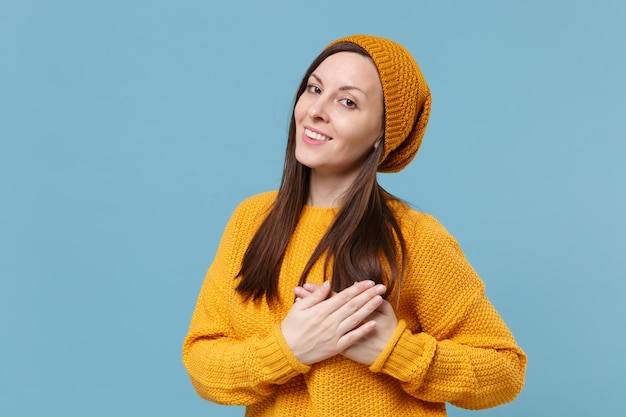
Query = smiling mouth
x=316 y=136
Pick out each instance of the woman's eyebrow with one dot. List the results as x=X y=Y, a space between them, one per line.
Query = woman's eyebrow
x=318 y=79
x=342 y=88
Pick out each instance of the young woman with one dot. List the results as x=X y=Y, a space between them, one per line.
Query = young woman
x=330 y=297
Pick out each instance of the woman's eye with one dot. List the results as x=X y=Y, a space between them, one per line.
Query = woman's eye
x=314 y=89
x=348 y=103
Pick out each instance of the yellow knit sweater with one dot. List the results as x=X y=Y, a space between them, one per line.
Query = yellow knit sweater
x=450 y=344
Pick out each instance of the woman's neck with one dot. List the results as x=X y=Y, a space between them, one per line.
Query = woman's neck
x=327 y=191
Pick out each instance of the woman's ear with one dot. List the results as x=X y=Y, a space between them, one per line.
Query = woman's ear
x=378 y=142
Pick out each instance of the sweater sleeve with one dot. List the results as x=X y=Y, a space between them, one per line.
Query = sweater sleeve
x=462 y=351
x=223 y=367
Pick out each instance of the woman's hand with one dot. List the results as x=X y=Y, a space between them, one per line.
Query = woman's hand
x=318 y=326
x=369 y=347
x=366 y=349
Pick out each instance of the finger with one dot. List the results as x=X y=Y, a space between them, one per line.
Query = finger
x=386 y=308
x=301 y=292
x=355 y=317
x=310 y=286
x=350 y=300
x=345 y=296
x=355 y=335
x=309 y=299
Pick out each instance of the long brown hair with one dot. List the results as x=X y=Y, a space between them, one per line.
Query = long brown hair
x=364 y=235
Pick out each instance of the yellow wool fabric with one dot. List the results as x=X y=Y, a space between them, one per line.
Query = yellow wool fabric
x=450 y=345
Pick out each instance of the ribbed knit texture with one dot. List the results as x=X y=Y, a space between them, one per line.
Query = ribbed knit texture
x=406 y=95
x=450 y=344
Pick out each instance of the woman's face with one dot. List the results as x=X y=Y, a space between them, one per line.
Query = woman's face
x=339 y=117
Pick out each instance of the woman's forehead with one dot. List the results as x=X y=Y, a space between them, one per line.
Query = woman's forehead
x=349 y=70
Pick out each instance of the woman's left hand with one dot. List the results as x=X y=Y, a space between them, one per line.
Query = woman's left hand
x=368 y=348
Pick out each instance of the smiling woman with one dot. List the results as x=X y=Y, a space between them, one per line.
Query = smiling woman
x=339 y=120
x=332 y=297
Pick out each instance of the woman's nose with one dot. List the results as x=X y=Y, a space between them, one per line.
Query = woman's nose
x=317 y=110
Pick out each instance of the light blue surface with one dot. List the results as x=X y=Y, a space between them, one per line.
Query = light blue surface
x=130 y=130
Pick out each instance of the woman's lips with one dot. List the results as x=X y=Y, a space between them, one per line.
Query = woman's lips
x=314 y=137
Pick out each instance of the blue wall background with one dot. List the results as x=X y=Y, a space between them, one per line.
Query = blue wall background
x=129 y=131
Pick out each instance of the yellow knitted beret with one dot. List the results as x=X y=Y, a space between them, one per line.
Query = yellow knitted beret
x=406 y=95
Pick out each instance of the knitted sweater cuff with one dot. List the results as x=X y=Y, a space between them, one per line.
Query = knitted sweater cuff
x=279 y=363
x=406 y=356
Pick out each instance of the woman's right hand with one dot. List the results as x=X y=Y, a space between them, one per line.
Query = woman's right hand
x=318 y=326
